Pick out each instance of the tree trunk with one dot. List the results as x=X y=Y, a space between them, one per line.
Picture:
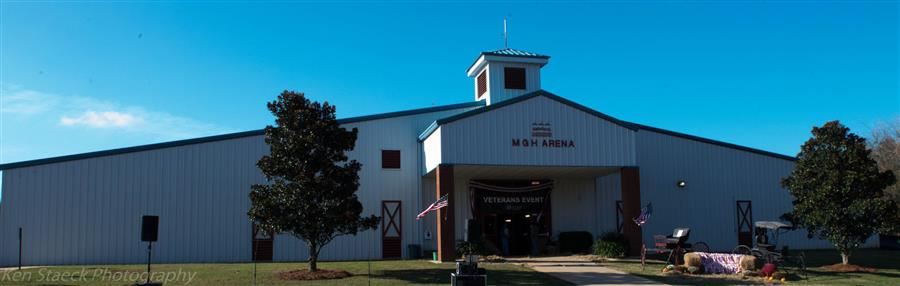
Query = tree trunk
x=845 y=257
x=313 y=258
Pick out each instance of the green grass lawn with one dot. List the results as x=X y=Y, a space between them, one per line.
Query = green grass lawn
x=403 y=272
x=887 y=262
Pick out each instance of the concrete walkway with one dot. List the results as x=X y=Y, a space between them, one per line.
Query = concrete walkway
x=582 y=272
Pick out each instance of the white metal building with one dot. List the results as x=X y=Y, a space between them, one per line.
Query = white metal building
x=516 y=155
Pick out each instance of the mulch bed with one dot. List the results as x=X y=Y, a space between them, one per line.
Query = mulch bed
x=318 y=275
x=848 y=268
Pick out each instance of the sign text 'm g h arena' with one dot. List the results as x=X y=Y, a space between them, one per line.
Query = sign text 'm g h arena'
x=542 y=134
x=548 y=143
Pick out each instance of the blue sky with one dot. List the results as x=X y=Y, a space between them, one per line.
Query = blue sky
x=87 y=76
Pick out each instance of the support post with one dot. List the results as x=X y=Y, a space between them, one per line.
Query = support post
x=149 y=253
x=631 y=207
x=446 y=237
x=20 y=248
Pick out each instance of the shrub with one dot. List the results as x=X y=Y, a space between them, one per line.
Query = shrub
x=464 y=248
x=611 y=244
x=608 y=249
x=575 y=241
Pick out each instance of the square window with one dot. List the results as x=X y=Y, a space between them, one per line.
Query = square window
x=514 y=78
x=390 y=159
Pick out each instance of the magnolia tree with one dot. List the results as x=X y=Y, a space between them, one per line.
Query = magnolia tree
x=311 y=189
x=838 y=189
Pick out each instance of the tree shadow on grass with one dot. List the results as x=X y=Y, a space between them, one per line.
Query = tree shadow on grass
x=845 y=275
x=524 y=261
x=495 y=277
x=701 y=279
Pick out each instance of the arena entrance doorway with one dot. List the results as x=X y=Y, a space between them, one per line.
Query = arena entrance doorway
x=514 y=214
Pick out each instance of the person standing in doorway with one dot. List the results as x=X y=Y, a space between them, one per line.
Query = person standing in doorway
x=533 y=229
x=504 y=239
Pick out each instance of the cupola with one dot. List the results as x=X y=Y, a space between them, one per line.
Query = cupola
x=504 y=74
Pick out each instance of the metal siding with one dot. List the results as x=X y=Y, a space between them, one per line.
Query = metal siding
x=88 y=211
x=496 y=87
x=460 y=203
x=609 y=190
x=573 y=206
x=432 y=151
x=377 y=184
x=8 y=239
x=716 y=177
x=429 y=222
x=485 y=139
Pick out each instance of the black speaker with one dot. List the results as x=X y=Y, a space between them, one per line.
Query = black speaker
x=473 y=230
x=150 y=228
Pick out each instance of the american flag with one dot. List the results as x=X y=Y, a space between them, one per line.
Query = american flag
x=440 y=203
x=645 y=215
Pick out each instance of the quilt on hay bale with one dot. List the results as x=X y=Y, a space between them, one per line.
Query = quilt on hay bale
x=720 y=262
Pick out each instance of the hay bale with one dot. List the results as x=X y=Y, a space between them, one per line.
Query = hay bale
x=778 y=275
x=691 y=259
x=748 y=262
x=693 y=269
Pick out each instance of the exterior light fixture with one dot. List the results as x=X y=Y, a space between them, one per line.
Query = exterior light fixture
x=508 y=220
x=535 y=182
x=681 y=184
x=527 y=215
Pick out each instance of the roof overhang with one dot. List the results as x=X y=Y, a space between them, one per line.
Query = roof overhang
x=483 y=59
x=518 y=172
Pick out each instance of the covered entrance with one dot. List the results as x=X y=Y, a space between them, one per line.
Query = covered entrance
x=522 y=205
x=514 y=215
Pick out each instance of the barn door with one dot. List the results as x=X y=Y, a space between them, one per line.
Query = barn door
x=745 y=223
x=391 y=230
x=263 y=244
x=620 y=216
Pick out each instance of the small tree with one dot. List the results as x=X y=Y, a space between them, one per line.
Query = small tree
x=838 y=189
x=311 y=190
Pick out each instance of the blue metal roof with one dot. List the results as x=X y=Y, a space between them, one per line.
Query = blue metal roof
x=515 y=53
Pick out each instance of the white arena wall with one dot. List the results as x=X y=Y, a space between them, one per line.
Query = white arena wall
x=377 y=184
x=716 y=177
x=88 y=211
